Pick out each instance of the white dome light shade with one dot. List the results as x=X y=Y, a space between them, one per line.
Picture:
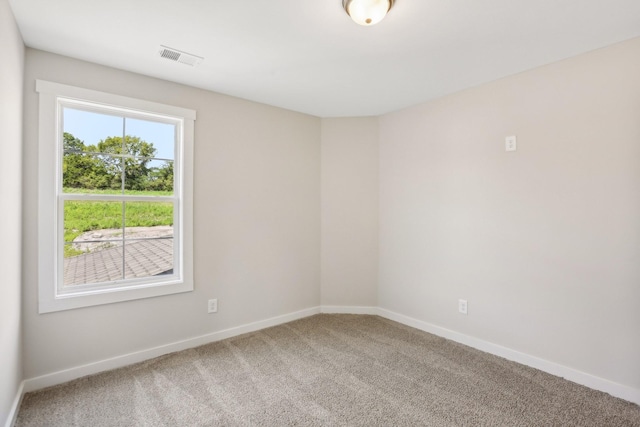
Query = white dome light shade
x=367 y=12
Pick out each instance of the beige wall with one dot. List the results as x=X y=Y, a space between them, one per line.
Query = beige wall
x=11 y=72
x=256 y=221
x=544 y=242
x=349 y=212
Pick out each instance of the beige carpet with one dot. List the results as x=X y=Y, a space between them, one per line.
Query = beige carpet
x=330 y=370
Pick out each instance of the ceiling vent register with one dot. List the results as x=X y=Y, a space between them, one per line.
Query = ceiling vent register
x=179 y=56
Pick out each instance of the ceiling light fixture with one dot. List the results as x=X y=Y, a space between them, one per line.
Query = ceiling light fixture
x=367 y=12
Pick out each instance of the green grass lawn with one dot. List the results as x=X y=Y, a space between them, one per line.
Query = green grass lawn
x=83 y=216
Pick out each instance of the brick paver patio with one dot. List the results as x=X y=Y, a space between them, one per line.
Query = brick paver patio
x=143 y=258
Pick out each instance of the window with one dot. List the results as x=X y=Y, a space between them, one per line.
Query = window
x=115 y=198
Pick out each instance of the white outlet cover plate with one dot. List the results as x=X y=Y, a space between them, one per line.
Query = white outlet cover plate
x=212 y=306
x=462 y=306
x=510 y=143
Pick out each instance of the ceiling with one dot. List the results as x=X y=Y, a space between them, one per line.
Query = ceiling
x=308 y=56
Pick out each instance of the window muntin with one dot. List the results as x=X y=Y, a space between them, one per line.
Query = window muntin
x=117 y=173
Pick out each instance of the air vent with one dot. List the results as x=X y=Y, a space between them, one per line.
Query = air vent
x=179 y=56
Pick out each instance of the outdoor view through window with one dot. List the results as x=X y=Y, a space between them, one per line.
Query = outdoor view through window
x=116 y=198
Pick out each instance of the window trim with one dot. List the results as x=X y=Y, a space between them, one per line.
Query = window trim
x=49 y=216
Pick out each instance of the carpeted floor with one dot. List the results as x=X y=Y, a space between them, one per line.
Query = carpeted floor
x=329 y=370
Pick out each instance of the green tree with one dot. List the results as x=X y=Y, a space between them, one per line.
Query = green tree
x=72 y=144
x=161 y=178
x=81 y=170
x=134 y=156
x=101 y=166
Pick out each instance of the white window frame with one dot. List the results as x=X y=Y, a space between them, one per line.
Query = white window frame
x=52 y=295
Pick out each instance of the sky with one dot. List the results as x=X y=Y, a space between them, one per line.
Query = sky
x=92 y=127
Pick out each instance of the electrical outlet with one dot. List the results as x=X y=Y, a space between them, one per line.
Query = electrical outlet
x=510 y=143
x=462 y=306
x=212 y=307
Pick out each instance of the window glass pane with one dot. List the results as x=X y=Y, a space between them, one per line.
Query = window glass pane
x=93 y=239
x=148 y=239
x=148 y=214
x=86 y=173
x=160 y=137
x=94 y=268
x=146 y=143
x=92 y=134
x=158 y=178
x=148 y=257
x=90 y=128
x=95 y=158
x=144 y=176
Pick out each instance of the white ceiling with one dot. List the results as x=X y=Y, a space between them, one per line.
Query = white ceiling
x=308 y=56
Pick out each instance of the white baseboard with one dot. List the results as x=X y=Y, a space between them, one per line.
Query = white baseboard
x=63 y=376
x=615 y=389
x=13 y=411
x=339 y=309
